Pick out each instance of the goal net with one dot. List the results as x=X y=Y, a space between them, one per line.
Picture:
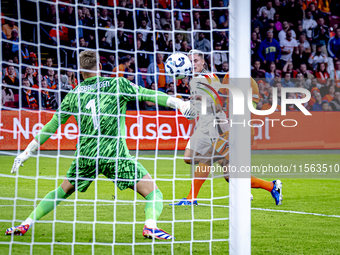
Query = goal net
x=40 y=45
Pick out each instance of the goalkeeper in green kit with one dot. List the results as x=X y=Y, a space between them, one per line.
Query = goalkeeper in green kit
x=99 y=106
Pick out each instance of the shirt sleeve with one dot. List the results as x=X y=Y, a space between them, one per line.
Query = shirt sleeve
x=281 y=35
x=59 y=117
x=310 y=59
x=314 y=24
x=293 y=34
x=131 y=92
x=325 y=59
x=282 y=44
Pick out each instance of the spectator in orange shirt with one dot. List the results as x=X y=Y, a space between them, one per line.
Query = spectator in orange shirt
x=161 y=78
x=312 y=100
x=268 y=105
x=125 y=63
x=262 y=91
x=7 y=29
x=321 y=73
x=33 y=59
x=324 y=7
x=330 y=96
x=61 y=30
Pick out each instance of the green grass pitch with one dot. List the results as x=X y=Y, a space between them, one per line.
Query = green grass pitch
x=272 y=232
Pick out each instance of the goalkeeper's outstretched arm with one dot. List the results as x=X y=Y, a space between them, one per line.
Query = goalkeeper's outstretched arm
x=166 y=100
x=45 y=133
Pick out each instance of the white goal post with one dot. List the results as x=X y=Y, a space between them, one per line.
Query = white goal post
x=239 y=138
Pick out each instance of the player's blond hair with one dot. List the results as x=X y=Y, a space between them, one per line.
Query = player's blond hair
x=198 y=52
x=88 y=60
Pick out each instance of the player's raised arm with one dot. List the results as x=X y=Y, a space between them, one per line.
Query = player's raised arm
x=143 y=94
x=45 y=133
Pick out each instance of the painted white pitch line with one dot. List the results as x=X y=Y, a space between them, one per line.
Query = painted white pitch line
x=223 y=206
x=296 y=212
x=283 y=211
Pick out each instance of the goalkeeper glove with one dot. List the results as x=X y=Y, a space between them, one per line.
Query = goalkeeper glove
x=185 y=107
x=19 y=160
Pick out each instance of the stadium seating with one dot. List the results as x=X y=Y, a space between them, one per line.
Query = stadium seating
x=123 y=45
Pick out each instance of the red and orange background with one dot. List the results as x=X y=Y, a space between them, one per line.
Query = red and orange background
x=147 y=131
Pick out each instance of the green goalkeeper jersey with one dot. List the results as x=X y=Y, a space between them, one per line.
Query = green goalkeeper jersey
x=99 y=106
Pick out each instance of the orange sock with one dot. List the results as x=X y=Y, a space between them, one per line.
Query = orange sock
x=202 y=172
x=262 y=184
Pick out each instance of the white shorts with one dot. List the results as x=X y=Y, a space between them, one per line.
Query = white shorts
x=200 y=142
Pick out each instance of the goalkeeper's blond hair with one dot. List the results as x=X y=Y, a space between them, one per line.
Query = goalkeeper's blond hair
x=89 y=60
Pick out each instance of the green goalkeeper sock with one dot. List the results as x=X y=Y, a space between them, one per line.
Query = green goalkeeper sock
x=48 y=203
x=154 y=205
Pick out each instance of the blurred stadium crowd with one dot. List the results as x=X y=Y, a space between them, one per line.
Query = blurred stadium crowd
x=294 y=43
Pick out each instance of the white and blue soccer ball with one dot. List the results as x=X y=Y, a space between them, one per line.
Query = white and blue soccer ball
x=178 y=65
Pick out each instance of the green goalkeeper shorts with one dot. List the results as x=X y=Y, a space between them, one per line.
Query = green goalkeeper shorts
x=126 y=175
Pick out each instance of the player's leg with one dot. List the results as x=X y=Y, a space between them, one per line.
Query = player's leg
x=146 y=186
x=49 y=202
x=153 y=208
x=80 y=178
x=189 y=156
x=200 y=172
x=206 y=157
x=154 y=197
x=197 y=151
x=274 y=187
